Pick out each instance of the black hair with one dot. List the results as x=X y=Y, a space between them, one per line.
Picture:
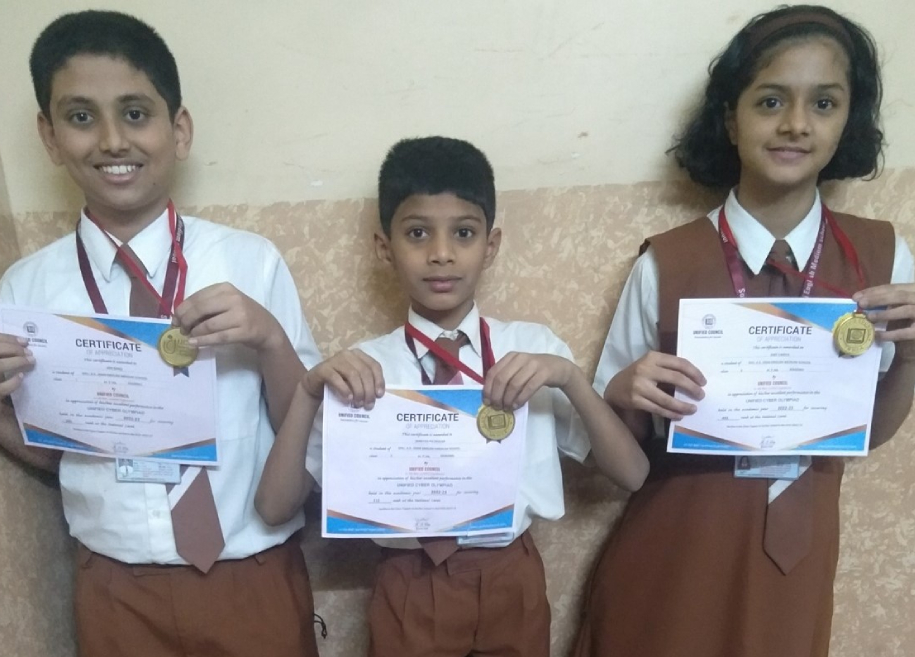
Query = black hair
x=107 y=33
x=435 y=165
x=704 y=149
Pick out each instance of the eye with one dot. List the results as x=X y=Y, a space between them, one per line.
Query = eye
x=771 y=103
x=465 y=233
x=135 y=114
x=825 y=104
x=416 y=233
x=79 y=117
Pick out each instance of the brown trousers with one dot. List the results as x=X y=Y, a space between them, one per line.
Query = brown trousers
x=481 y=601
x=255 y=607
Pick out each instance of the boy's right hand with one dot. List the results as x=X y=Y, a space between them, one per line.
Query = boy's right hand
x=15 y=359
x=636 y=387
x=354 y=376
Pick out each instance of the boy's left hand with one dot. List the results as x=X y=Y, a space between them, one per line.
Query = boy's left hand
x=512 y=381
x=899 y=311
x=220 y=314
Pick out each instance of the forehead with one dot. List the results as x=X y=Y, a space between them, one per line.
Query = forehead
x=437 y=207
x=812 y=59
x=100 y=78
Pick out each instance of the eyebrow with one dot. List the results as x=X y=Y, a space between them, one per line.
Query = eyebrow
x=84 y=100
x=772 y=86
x=463 y=217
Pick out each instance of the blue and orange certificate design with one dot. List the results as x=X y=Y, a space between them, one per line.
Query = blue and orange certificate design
x=777 y=384
x=417 y=465
x=100 y=387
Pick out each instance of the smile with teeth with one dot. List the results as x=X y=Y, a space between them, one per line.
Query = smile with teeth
x=118 y=169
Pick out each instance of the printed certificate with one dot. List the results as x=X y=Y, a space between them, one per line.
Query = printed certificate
x=100 y=387
x=418 y=464
x=776 y=382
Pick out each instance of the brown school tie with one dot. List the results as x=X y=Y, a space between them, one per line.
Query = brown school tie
x=440 y=548
x=198 y=535
x=789 y=517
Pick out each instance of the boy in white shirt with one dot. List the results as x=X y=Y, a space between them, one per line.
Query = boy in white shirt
x=437 y=206
x=111 y=113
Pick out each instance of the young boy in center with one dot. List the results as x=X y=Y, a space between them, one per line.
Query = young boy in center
x=437 y=207
x=189 y=570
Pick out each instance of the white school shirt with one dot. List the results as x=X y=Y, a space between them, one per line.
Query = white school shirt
x=634 y=329
x=131 y=522
x=553 y=425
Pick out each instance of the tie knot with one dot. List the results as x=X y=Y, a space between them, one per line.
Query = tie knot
x=130 y=262
x=453 y=345
x=781 y=253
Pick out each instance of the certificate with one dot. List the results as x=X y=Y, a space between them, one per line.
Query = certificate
x=100 y=387
x=418 y=464
x=776 y=382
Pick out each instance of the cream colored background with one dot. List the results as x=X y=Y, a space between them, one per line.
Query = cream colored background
x=574 y=102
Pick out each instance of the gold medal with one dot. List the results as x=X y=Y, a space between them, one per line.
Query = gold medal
x=175 y=349
x=853 y=334
x=495 y=425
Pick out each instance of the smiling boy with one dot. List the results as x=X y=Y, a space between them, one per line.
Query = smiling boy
x=220 y=581
x=437 y=208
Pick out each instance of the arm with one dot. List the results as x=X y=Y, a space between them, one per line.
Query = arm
x=895 y=389
x=15 y=359
x=285 y=482
x=513 y=381
x=221 y=314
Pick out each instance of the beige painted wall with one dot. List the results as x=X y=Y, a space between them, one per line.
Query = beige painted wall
x=297 y=100
x=575 y=102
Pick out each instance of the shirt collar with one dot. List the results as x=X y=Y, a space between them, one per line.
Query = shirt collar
x=469 y=326
x=152 y=245
x=754 y=241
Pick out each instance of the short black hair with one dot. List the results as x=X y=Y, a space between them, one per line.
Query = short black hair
x=704 y=149
x=107 y=33
x=435 y=165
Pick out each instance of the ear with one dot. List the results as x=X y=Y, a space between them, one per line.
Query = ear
x=493 y=242
x=48 y=138
x=730 y=124
x=183 y=127
x=383 y=248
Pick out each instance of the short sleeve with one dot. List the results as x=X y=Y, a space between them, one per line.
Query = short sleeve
x=634 y=328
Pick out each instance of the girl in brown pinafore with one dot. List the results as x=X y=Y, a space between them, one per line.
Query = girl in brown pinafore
x=701 y=564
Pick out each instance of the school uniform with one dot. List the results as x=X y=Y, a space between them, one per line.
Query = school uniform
x=135 y=595
x=484 y=600
x=686 y=572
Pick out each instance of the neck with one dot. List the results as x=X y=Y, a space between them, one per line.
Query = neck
x=779 y=210
x=447 y=320
x=124 y=226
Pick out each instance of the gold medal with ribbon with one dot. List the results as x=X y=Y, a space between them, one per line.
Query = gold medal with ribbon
x=495 y=425
x=853 y=334
x=175 y=349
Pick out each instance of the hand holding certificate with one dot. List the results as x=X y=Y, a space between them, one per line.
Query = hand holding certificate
x=785 y=376
x=426 y=462
x=114 y=387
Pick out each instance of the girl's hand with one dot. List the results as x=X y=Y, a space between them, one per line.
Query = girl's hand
x=899 y=311
x=636 y=387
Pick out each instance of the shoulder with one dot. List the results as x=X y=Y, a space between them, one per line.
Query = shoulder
x=224 y=240
x=384 y=347
x=530 y=337
x=55 y=259
x=700 y=230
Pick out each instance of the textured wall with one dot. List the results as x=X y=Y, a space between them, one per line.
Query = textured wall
x=565 y=255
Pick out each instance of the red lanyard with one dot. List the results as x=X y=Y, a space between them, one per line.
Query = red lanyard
x=732 y=257
x=175 y=275
x=411 y=333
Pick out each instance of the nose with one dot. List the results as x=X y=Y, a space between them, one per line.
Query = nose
x=796 y=119
x=112 y=139
x=441 y=249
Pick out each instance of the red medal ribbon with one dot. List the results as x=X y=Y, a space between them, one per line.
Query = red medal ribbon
x=175 y=275
x=732 y=257
x=411 y=333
